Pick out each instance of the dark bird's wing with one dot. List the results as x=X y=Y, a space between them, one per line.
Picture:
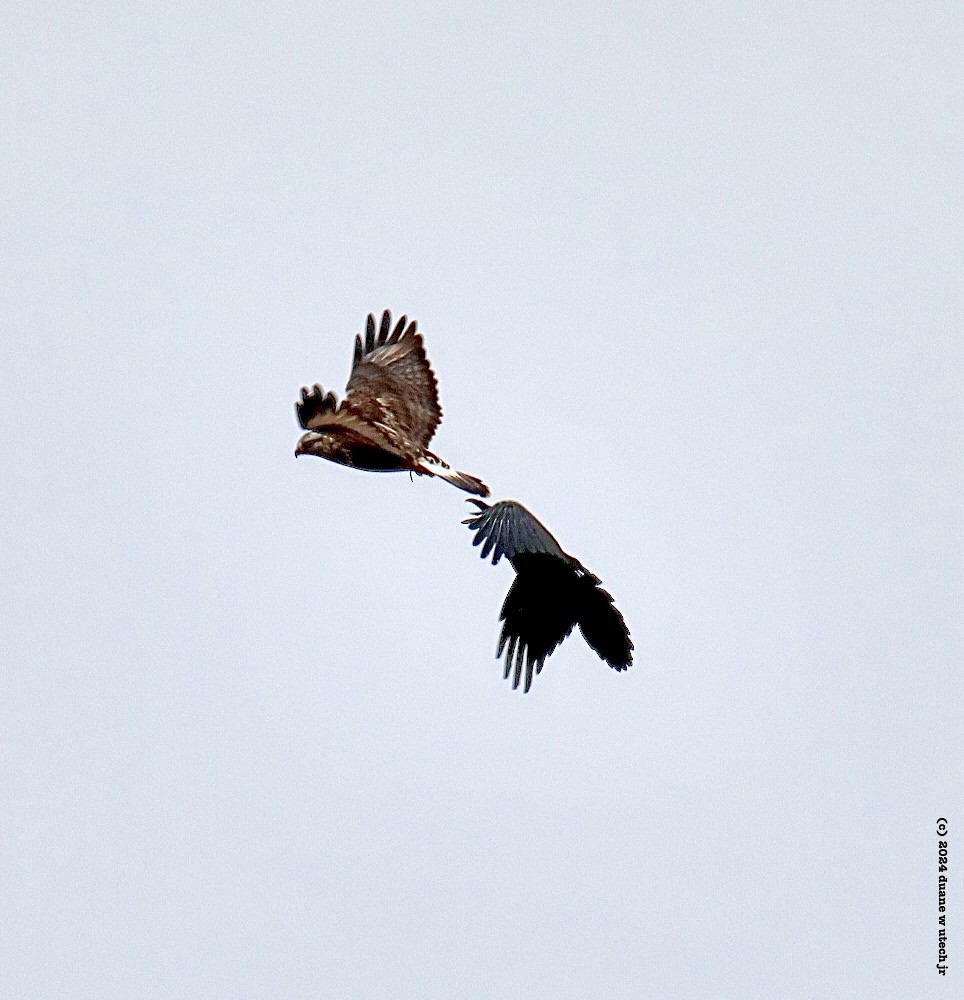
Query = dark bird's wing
x=392 y=385
x=551 y=594
x=538 y=613
x=507 y=529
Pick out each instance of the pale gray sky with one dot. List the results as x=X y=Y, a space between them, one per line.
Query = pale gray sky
x=690 y=277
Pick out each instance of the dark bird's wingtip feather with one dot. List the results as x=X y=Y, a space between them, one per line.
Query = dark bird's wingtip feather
x=472 y=518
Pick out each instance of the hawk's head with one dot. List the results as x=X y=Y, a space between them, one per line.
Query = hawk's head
x=314 y=443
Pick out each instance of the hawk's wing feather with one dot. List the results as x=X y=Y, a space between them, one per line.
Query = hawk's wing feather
x=507 y=529
x=392 y=384
x=357 y=429
x=315 y=406
x=383 y=337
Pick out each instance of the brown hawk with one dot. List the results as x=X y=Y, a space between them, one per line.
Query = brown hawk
x=551 y=594
x=389 y=413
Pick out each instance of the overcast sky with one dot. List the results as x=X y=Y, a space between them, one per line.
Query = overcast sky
x=691 y=280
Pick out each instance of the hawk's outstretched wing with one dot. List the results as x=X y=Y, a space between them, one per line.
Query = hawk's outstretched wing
x=551 y=594
x=315 y=407
x=319 y=410
x=392 y=385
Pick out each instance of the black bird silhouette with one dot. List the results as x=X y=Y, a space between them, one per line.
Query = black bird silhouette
x=551 y=594
x=388 y=417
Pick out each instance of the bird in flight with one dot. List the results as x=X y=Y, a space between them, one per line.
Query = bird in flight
x=551 y=594
x=389 y=413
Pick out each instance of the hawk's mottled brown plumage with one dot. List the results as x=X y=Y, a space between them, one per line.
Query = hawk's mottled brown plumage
x=390 y=411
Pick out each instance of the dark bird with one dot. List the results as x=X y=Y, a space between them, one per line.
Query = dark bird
x=389 y=413
x=551 y=594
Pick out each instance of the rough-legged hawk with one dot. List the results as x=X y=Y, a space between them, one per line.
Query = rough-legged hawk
x=551 y=594
x=389 y=414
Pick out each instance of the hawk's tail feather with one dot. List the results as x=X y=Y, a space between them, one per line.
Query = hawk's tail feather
x=432 y=465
